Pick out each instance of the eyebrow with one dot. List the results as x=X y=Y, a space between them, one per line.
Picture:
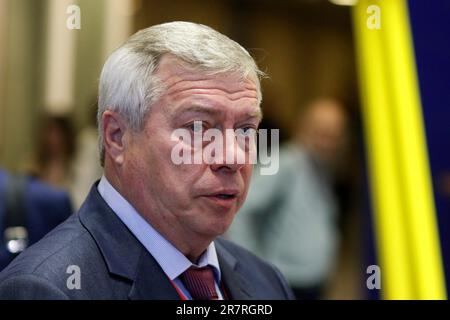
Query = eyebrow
x=214 y=111
x=258 y=114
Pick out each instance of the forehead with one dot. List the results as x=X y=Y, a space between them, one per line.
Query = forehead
x=181 y=82
x=169 y=66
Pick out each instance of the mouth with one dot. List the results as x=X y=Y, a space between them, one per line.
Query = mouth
x=224 y=199
x=224 y=196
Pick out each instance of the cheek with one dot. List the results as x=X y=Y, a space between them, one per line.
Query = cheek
x=142 y=164
x=247 y=174
x=177 y=182
x=135 y=169
x=246 y=178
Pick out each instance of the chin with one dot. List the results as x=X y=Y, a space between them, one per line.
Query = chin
x=217 y=229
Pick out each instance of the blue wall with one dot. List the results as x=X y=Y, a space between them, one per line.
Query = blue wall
x=430 y=23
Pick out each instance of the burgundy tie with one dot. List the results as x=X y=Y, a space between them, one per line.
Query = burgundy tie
x=200 y=283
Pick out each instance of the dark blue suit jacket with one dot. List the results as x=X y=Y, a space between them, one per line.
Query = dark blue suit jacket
x=44 y=208
x=114 y=265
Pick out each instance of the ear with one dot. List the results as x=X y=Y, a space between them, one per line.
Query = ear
x=114 y=129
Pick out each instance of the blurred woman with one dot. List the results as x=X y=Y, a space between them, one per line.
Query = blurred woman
x=52 y=162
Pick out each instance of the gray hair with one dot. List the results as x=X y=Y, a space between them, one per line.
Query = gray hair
x=129 y=86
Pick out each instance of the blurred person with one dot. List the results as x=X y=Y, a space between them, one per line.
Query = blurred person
x=290 y=218
x=29 y=209
x=150 y=228
x=65 y=159
x=53 y=160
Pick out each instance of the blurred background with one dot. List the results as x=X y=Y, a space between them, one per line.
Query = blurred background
x=358 y=89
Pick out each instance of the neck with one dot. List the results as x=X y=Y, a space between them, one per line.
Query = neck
x=191 y=246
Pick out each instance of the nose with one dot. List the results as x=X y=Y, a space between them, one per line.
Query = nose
x=232 y=157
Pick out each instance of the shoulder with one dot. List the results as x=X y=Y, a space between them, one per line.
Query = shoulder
x=44 y=268
x=59 y=244
x=29 y=287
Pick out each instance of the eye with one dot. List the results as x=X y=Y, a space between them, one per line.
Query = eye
x=246 y=131
x=196 y=126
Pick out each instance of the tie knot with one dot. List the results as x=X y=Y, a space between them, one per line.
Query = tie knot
x=200 y=283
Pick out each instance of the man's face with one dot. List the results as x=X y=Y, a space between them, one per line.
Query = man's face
x=199 y=200
x=324 y=130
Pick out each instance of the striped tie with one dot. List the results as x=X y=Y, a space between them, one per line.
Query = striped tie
x=200 y=283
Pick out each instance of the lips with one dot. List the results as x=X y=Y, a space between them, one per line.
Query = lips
x=223 y=198
x=224 y=194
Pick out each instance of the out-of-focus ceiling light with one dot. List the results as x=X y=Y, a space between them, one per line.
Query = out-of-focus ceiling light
x=344 y=2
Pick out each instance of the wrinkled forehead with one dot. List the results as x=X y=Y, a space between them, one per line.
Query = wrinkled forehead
x=174 y=73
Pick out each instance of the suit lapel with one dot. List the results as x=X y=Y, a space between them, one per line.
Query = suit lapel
x=124 y=255
x=151 y=282
x=236 y=284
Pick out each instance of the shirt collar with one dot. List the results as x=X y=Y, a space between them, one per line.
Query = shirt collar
x=171 y=260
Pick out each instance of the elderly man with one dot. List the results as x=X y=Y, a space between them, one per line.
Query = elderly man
x=149 y=228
